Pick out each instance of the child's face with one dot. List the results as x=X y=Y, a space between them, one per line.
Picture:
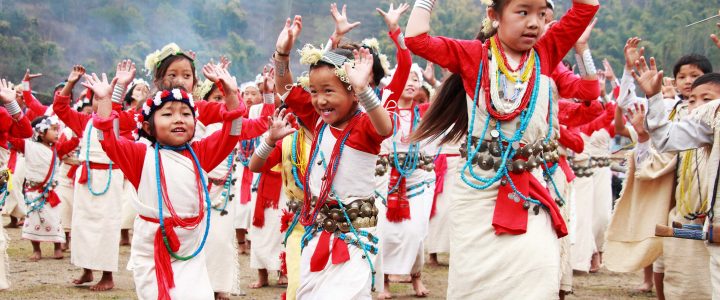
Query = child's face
x=521 y=24
x=180 y=73
x=412 y=86
x=52 y=134
x=87 y=109
x=140 y=92
x=174 y=124
x=422 y=96
x=703 y=94
x=216 y=96
x=330 y=98
x=252 y=96
x=685 y=78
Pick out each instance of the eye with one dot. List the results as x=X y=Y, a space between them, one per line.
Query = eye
x=187 y=114
x=187 y=76
x=166 y=114
x=313 y=92
x=328 y=91
x=543 y=13
x=523 y=13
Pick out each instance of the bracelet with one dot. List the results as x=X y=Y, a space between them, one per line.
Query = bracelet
x=26 y=85
x=425 y=4
x=236 y=127
x=263 y=150
x=268 y=98
x=281 y=54
x=368 y=99
x=589 y=63
x=13 y=108
x=580 y=65
x=118 y=93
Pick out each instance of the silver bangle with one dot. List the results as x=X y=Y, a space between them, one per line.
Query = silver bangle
x=236 y=127
x=425 y=4
x=368 y=99
x=268 y=98
x=263 y=151
x=588 y=62
x=13 y=108
x=580 y=65
x=118 y=93
x=26 y=85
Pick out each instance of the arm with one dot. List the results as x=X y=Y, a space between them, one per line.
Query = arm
x=212 y=150
x=573 y=86
x=578 y=113
x=268 y=153
x=32 y=103
x=281 y=57
x=299 y=101
x=404 y=61
x=17 y=144
x=600 y=122
x=359 y=78
x=126 y=154
x=571 y=139
x=683 y=134
x=558 y=40
x=620 y=123
x=260 y=165
x=66 y=146
x=17 y=124
x=342 y=26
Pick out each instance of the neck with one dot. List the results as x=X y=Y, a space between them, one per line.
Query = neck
x=405 y=102
x=47 y=143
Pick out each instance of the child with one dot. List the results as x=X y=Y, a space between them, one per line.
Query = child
x=339 y=181
x=42 y=223
x=182 y=200
x=515 y=118
x=13 y=123
x=137 y=92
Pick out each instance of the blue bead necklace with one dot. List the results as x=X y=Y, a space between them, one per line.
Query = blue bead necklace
x=89 y=171
x=43 y=195
x=227 y=185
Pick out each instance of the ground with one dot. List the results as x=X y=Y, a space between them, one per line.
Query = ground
x=50 y=279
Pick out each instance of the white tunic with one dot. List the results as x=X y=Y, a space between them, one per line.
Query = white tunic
x=43 y=224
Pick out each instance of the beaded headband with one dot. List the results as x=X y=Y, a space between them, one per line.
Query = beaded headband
x=309 y=55
x=161 y=97
x=42 y=126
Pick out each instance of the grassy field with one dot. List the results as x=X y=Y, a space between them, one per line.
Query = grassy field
x=50 y=279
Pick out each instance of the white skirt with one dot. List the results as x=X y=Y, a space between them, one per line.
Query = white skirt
x=43 y=225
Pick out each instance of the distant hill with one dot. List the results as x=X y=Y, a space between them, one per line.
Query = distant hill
x=50 y=36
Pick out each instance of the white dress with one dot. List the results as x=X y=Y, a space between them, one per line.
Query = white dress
x=42 y=223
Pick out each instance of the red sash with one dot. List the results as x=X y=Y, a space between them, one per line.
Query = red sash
x=94 y=166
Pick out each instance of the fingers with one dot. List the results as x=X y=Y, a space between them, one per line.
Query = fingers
x=104 y=78
x=344 y=10
x=635 y=75
x=653 y=66
x=381 y=12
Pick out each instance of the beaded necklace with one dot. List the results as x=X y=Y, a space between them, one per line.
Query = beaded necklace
x=89 y=171
x=530 y=82
x=410 y=162
x=226 y=185
x=298 y=159
x=506 y=152
x=163 y=197
x=43 y=195
x=247 y=147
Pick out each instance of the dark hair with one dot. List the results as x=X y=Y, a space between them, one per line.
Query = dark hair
x=209 y=92
x=448 y=109
x=35 y=122
x=128 y=96
x=163 y=67
x=567 y=64
x=497 y=6
x=151 y=121
x=60 y=86
x=346 y=49
x=697 y=60
x=708 y=78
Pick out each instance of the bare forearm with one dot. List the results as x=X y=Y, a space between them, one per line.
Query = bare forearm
x=419 y=21
x=283 y=76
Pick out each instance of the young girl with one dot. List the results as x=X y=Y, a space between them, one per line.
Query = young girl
x=180 y=201
x=13 y=123
x=42 y=223
x=137 y=92
x=505 y=109
x=100 y=187
x=339 y=182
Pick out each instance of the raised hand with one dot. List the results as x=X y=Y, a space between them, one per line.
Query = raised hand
x=585 y=37
x=287 y=36
x=601 y=77
x=668 y=88
x=192 y=54
x=636 y=116
x=609 y=73
x=392 y=16
x=7 y=94
x=429 y=73
x=29 y=76
x=268 y=84
x=224 y=62
x=77 y=72
x=280 y=125
x=359 y=74
x=342 y=26
x=649 y=79
x=125 y=72
x=632 y=53
x=99 y=85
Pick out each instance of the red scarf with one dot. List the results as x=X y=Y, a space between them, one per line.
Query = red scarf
x=51 y=197
x=398 y=204
x=440 y=171
x=268 y=196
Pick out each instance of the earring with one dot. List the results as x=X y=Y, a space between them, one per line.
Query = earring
x=495 y=24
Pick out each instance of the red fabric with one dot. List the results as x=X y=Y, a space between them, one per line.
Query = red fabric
x=163 y=266
x=10 y=127
x=402 y=72
x=398 y=206
x=94 y=166
x=12 y=161
x=285 y=220
x=440 y=171
x=510 y=217
x=268 y=196
x=283 y=263
x=573 y=113
x=569 y=174
x=604 y=121
x=320 y=257
x=34 y=107
x=246 y=186
x=571 y=85
x=340 y=253
x=463 y=56
x=72 y=171
x=571 y=139
x=52 y=198
x=77 y=121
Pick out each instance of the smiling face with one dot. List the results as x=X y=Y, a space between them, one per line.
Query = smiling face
x=685 y=78
x=412 y=86
x=140 y=92
x=252 y=96
x=702 y=94
x=522 y=22
x=173 y=124
x=330 y=97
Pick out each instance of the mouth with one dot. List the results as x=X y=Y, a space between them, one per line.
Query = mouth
x=530 y=35
x=178 y=130
x=409 y=90
x=326 y=111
